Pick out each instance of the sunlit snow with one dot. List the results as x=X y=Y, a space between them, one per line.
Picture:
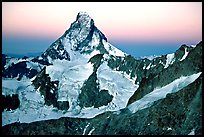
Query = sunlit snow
x=192 y=132
x=85 y=129
x=91 y=131
x=117 y=84
x=185 y=55
x=170 y=60
x=161 y=92
x=34 y=65
x=112 y=50
x=71 y=76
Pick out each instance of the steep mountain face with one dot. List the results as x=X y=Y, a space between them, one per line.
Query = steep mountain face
x=83 y=50
x=83 y=85
x=82 y=37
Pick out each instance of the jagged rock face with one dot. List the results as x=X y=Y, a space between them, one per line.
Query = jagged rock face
x=65 y=126
x=96 y=61
x=49 y=89
x=56 y=51
x=10 y=102
x=20 y=67
x=63 y=105
x=46 y=87
x=90 y=94
x=19 y=70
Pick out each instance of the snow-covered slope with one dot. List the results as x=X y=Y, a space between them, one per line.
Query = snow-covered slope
x=68 y=60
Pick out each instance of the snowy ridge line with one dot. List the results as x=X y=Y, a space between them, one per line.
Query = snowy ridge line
x=113 y=50
x=15 y=61
x=161 y=92
x=151 y=57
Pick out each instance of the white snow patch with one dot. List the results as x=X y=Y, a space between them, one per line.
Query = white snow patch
x=106 y=57
x=49 y=59
x=33 y=78
x=170 y=60
x=169 y=128
x=61 y=52
x=148 y=67
x=91 y=131
x=40 y=58
x=153 y=65
x=161 y=92
x=192 y=132
x=160 y=62
x=185 y=55
x=85 y=128
x=89 y=112
x=144 y=66
x=193 y=46
x=112 y=50
x=34 y=65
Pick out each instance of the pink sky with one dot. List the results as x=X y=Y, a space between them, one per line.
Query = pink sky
x=137 y=21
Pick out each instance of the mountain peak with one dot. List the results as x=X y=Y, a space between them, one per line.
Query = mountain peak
x=83 y=37
x=83 y=18
x=83 y=13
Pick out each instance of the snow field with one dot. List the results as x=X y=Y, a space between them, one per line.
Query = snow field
x=170 y=60
x=161 y=92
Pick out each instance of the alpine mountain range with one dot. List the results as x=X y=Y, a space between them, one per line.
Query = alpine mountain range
x=83 y=85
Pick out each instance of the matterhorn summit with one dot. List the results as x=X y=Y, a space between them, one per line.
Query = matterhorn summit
x=83 y=37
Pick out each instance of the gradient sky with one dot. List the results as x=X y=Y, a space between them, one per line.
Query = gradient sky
x=137 y=28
